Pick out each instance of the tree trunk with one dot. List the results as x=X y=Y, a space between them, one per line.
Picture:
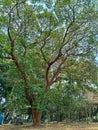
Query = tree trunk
x=36 y=115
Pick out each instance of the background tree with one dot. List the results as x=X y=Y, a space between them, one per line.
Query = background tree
x=37 y=39
x=68 y=96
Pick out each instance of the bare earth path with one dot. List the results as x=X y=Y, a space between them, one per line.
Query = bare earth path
x=58 y=126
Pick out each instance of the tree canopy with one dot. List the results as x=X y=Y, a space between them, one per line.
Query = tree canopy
x=39 y=39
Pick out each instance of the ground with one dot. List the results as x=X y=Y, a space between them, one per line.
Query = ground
x=54 y=126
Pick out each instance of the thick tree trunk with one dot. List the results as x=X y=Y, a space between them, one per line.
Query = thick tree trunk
x=36 y=115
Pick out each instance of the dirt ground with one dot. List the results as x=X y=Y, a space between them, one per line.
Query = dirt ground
x=56 y=126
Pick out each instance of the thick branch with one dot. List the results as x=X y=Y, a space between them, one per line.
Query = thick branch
x=12 y=52
x=58 y=70
x=55 y=77
x=49 y=66
x=56 y=59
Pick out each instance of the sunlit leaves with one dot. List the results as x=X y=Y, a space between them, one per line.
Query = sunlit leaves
x=8 y=2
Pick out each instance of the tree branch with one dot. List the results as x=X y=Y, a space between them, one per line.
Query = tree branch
x=43 y=52
x=66 y=32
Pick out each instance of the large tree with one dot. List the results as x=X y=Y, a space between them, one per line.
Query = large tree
x=37 y=38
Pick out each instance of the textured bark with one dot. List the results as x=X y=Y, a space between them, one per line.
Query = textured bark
x=36 y=115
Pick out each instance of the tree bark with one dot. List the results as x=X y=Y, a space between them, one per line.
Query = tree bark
x=36 y=115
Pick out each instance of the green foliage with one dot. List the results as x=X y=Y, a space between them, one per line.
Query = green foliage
x=8 y=2
x=54 y=97
x=32 y=36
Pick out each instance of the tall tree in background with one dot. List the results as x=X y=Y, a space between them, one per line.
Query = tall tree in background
x=37 y=38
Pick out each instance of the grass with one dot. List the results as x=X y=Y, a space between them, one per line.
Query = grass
x=55 y=126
